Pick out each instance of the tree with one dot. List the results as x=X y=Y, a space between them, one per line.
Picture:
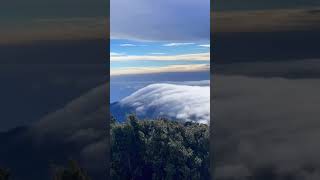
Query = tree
x=159 y=149
x=73 y=172
x=4 y=174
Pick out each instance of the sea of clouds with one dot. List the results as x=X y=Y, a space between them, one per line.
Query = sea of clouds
x=182 y=102
x=265 y=128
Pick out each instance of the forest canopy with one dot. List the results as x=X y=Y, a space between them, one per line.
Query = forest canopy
x=159 y=149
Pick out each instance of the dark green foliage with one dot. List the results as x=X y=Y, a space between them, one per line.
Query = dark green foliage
x=73 y=172
x=159 y=149
x=4 y=174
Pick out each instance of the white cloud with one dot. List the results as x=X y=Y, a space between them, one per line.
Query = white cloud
x=204 y=45
x=158 y=53
x=114 y=54
x=176 y=102
x=179 y=57
x=177 y=44
x=151 y=70
x=128 y=45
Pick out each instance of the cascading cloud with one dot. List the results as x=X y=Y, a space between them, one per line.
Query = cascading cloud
x=173 y=101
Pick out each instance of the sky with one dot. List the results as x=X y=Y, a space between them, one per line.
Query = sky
x=158 y=38
x=131 y=57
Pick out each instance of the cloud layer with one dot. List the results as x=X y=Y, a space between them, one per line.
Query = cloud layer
x=180 y=102
x=38 y=29
x=179 y=20
x=81 y=122
x=266 y=20
x=165 y=69
x=266 y=128
x=178 y=57
x=295 y=69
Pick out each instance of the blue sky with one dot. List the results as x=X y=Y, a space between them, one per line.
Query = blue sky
x=158 y=41
x=154 y=47
x=159 y=37
x=170 y=56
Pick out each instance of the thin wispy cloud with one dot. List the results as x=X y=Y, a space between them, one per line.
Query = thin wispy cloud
x=114 y=54
x=204 y=45
x=128 y=45
x=177 y=44
x=40 y=29
x=158 y=53
x=261 y=21
x=180 y=57
x=166 y=69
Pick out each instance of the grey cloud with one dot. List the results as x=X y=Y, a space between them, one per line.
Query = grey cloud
x=293 y=69
x=95 y=156
x=265 y=46
x=231 y=5
x=16 y=9
x=266 y=20
x=82 y=122
x=75 y=131
x=77 y=117
x=265 y=128
x=34 y=90
x=61 y=28
x=180 y=20
x=40 y=20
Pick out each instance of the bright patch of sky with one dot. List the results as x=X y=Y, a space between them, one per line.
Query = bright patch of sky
x=156 y=48
x=128 y=54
